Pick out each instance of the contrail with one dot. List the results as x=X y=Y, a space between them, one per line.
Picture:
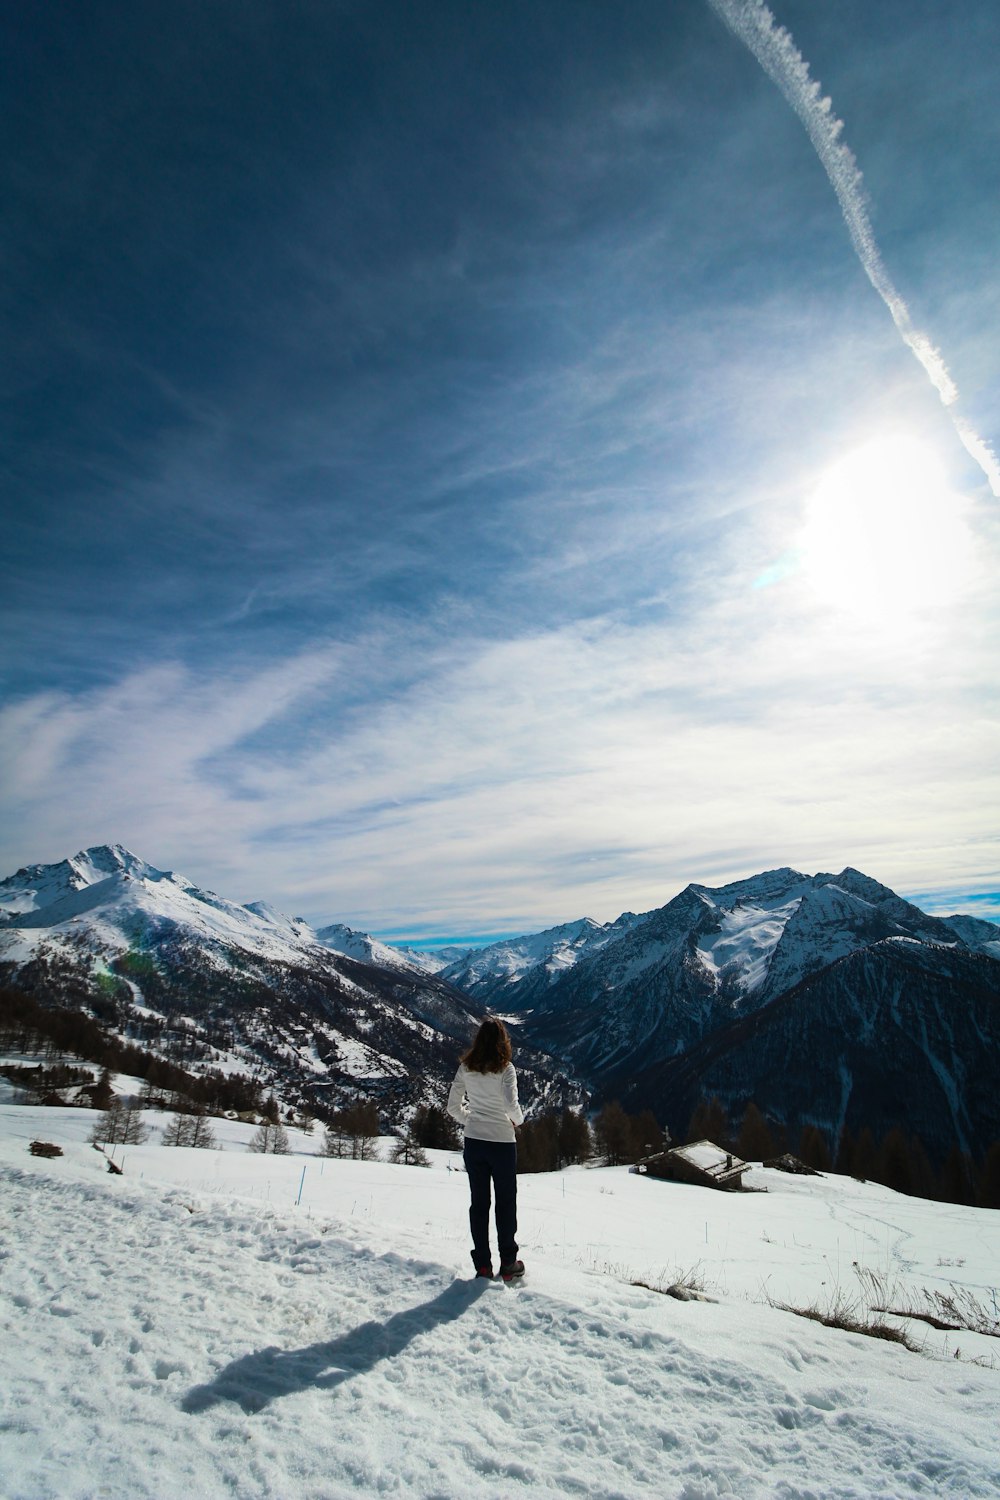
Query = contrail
x=774 y=49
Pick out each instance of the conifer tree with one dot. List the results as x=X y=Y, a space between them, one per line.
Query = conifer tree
x=813 y=1149
x=844 y=1163
x=754 y=1142
x=120 y=1124
x=538 y=1144
x=613 y=1133
x=956 y=1183
x=865 y=1156
x=710 y=1122
x=433 y=1127
x=894 y=1167
x=989 y=1179
x=408 y=1152
x=189 y=1130
x=575 y=1141
x=353 y=1133
x=175 y=1131
x=102 y=1095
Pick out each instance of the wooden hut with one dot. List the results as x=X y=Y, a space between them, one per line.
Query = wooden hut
x=702 y=1163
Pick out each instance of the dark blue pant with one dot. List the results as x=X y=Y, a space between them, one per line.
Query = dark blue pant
x=492 y=1162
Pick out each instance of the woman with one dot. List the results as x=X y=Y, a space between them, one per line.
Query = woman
x=483 y=1098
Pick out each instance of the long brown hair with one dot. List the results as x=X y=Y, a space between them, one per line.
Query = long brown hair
x=491 y=1051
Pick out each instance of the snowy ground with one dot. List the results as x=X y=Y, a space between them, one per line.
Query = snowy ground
x=190 y=1329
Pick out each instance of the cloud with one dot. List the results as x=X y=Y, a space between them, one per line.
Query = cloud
x=141 y=755
x=385 y=543
x=958 y=900
x=475 y=784
x=774 y=49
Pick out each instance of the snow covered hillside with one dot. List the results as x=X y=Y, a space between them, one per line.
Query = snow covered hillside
x=192 y=976
x=214 y=1323
x=896 y=1034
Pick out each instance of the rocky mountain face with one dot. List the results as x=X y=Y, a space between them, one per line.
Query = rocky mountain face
x=211 y=983
x=897 y=1033
x=827 y=999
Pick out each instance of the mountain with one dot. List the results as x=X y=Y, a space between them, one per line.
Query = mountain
x=194 y=977
x=897 y=1033
x=512 y=973
x=827 y=999
x=371 y=950
x=713 y=954
x=977 y=934
x=644 y=1015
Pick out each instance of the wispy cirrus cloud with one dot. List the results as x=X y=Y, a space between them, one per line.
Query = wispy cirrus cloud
x=773 y=47
x=391 y=471
x=488 y=784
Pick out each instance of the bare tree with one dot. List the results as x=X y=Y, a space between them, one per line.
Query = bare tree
x=189 y=1130
x=353 y=1133
x=271 y=1139
x=120 y=1124
x=408 y=1152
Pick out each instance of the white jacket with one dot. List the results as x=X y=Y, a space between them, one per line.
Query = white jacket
x=486 y=1103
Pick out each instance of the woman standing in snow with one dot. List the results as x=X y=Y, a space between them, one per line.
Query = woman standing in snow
x=483 y=1098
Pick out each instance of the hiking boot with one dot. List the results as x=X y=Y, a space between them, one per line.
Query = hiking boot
x=486 y=1272
x=512 y=1272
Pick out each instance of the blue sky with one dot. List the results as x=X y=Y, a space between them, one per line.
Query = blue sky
x=457 y=472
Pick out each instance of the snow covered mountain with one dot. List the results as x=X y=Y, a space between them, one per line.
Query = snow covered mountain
x=825 y=998
x=189 y=974
x=512 y=973
x=645 y=1015
x=711 y=954
x=371 y=950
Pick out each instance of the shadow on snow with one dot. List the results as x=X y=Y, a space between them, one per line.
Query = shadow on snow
x=255 y=1380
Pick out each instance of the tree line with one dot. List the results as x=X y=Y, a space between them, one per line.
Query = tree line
x=546 y=1143
x=33 y=1029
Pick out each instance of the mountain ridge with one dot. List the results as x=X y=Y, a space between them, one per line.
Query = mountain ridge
x=631 y=1008
x=238 y=987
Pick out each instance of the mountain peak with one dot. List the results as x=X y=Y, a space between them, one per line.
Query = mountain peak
x=102 y=860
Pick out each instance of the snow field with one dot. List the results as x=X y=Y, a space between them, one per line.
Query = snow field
x=186 y=1330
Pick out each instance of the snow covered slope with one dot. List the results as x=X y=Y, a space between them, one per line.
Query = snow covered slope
x=360 y=945
x=187 y=1330
x=509 y=975
x=976 y=933
x=112 y=893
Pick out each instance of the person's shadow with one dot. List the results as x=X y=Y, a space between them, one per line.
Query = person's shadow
x=257 y=1379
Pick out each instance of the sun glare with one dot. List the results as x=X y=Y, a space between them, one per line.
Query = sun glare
x=884 y=535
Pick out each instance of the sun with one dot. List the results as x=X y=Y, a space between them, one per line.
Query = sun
x=884 y=535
